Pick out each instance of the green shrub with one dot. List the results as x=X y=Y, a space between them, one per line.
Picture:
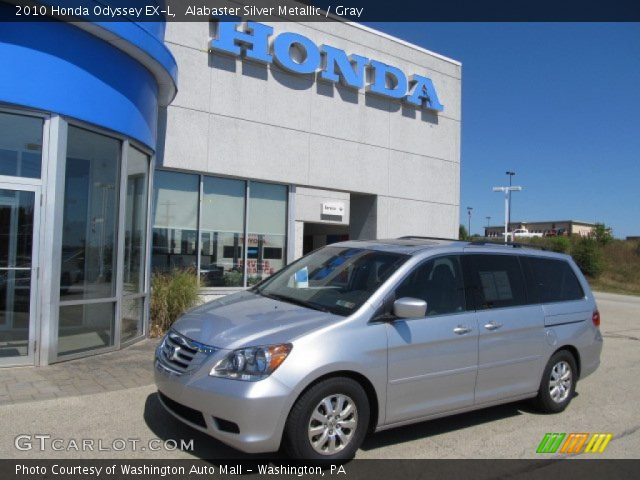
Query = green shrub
x=558 y=244
x=588 y=255
x=462 y=233
x=232 y=279
x=602 y=233
x=172 y=294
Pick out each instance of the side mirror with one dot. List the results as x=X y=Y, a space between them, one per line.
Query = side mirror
x=408 y=307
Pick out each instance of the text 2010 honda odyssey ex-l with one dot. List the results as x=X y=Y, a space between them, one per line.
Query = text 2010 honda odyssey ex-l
x=364 y=336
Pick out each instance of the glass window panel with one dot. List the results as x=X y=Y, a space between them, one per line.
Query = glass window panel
x=15 y=307
x=20 y=145
x=16 y=228
x=90 y=216
x=175 y=221
x=135 y=234
x=16 y=241
x=267 y=230
x=132 y=318
x=222 y=227
x=85 y=327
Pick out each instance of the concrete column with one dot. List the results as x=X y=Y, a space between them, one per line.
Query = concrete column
x=299 y=235
x=363 y=223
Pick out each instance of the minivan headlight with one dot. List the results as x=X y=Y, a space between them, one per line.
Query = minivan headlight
x=251 y=363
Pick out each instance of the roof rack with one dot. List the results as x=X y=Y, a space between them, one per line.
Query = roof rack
x=509 y=244
x=418 y=237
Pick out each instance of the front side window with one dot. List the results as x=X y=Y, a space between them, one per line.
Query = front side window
x=333 y=279
x=497 y=281
x=552 y=280
x=438 y=282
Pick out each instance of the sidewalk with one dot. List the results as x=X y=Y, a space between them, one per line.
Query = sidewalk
x=126 y=368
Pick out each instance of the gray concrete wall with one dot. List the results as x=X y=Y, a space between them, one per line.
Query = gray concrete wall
x=309 y=205
x=238 y=118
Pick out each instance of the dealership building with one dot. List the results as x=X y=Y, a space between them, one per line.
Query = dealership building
x=230 y=148
x=545 y=228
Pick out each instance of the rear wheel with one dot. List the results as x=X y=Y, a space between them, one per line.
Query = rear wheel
x=328 y=422
x=558 y=383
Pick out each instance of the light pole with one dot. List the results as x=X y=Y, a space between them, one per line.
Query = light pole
x=511 y=174
x=507 y=197
x=469 y=214
x=486 y=234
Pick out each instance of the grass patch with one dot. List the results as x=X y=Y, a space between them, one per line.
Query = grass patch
x=172 y=294
x=620 y=268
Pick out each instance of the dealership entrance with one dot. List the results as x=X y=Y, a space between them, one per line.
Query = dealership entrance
x=318 y=235
x=19 y=213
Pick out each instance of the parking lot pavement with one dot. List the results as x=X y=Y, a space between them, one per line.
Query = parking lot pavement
x=605 y=402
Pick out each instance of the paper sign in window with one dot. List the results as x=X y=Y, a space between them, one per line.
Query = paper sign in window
x=496 y=286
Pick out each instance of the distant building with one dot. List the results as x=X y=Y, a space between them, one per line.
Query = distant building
x=550 y=228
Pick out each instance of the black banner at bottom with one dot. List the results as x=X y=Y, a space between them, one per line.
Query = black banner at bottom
x=582 y=469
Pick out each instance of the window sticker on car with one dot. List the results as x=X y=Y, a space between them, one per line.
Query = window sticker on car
x=345 y=304
x=496 y=286
x=302 y=278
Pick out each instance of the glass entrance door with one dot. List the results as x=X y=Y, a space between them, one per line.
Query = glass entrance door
x=18 y=273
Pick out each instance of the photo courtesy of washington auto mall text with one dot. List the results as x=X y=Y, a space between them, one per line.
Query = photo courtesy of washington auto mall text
x=353 y=239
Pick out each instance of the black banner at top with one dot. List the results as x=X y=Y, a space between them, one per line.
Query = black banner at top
x=325 y=10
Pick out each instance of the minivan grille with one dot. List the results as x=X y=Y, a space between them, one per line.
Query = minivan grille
x=182 y=354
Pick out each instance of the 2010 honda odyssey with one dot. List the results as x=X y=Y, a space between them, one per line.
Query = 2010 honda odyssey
x=364 y=336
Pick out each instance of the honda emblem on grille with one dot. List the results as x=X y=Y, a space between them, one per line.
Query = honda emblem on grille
x=174 y=353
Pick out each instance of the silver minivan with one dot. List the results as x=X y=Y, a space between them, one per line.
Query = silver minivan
x=363 y=336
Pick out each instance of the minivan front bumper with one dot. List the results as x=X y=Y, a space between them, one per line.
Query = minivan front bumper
x=248 y=416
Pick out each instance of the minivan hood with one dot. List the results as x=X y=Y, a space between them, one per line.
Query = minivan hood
x=248 y=319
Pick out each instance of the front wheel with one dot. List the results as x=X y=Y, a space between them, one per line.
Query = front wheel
x=558 y=383
x=328 y=422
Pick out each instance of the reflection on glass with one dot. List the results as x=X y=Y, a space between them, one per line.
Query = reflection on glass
x=85 y=327
x=132 y=319
x=221 y=232
x=175 y=221
x=16 y=240
x=20 y=145
x=267 y=230
x=90 y=216
x=135 y=221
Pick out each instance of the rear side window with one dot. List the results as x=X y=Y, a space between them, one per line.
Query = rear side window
x=497 y=281
x=551 y=280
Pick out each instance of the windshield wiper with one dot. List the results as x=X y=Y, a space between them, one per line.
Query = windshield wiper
x=294 y=301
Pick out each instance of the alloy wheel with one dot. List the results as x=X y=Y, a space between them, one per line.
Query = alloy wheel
x=332 y=424
x=560 y=381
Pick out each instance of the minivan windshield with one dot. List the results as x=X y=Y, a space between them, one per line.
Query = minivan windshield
x=333 y=279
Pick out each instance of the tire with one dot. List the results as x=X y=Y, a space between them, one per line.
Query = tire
x=314 y=420
x=552 y=399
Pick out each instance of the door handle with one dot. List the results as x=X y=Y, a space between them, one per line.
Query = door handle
x=460 y=330
x=492 y=325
